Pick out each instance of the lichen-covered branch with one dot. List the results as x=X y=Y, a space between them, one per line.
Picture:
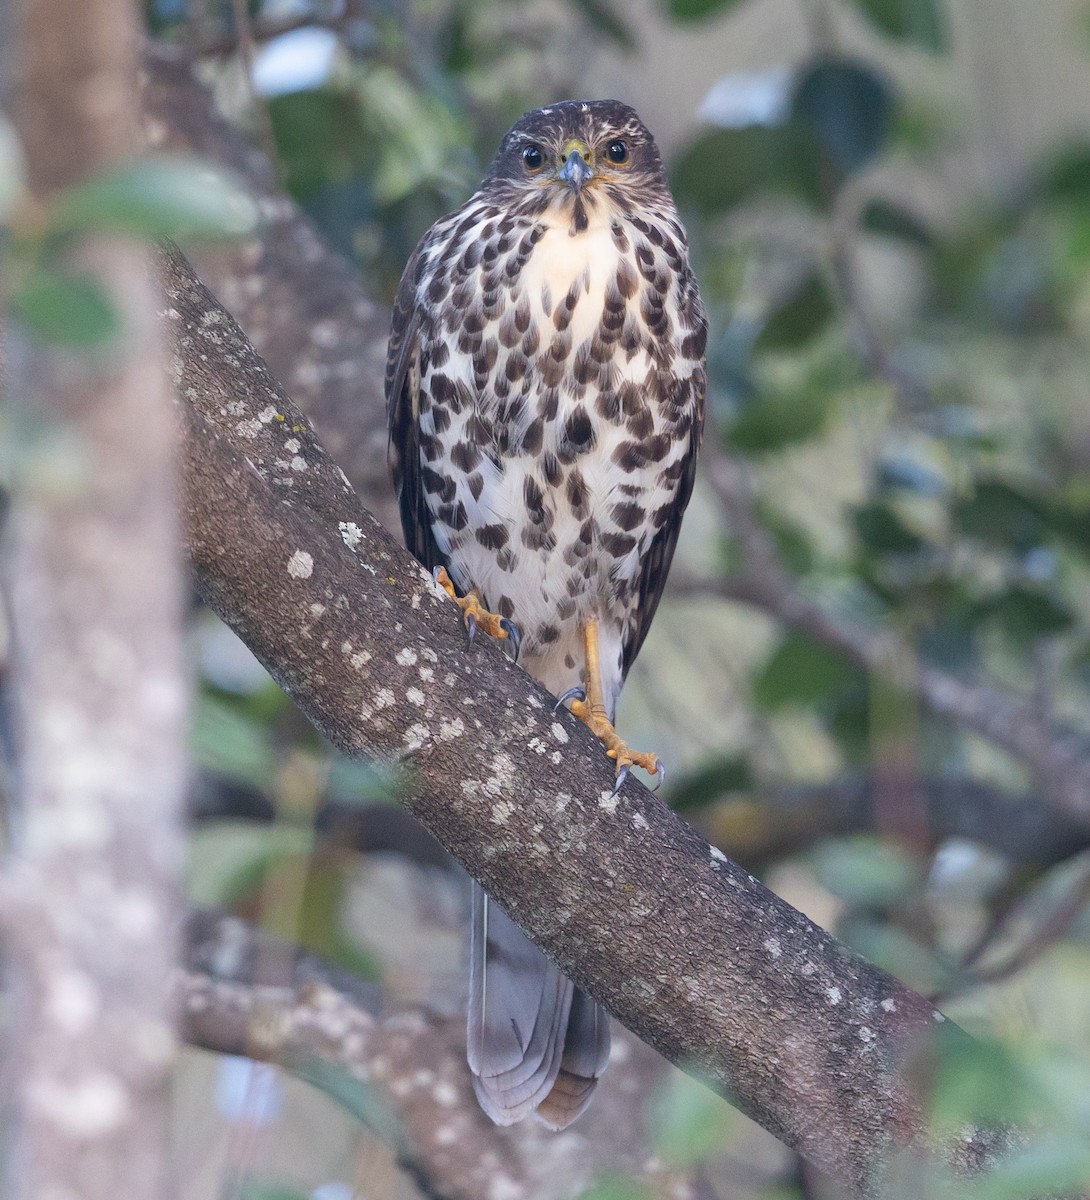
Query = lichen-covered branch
x=244 y=993
x=90 y=890
x=683 y=946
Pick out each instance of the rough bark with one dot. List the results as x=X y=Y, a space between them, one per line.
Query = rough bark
x=684 y=947
x=413 y=1063
x=90 y=894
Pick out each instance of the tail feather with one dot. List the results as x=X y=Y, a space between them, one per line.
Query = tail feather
x=535 y=1042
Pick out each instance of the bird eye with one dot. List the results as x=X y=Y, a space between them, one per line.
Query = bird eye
x=533 y=157
x=618 y=152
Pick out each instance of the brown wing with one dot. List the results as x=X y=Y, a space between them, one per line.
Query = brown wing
x=656 y=562
x=402 y=415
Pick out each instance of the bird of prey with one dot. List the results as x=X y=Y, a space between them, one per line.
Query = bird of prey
x=545 y=386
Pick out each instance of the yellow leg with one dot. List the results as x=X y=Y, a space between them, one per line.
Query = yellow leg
x=476 y=616
x=591 y=710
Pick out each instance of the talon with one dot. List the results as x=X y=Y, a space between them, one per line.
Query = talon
x=514 y=633
x=471 y=627
x=660 y=774
x=573 y=693
x=622 y=775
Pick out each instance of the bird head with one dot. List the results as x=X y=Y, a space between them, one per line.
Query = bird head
x=576 y=155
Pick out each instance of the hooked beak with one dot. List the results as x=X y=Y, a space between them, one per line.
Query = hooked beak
x=576 y=169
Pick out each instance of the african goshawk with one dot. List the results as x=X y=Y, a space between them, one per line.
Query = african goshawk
x=545 y=383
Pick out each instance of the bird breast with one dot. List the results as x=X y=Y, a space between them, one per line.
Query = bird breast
x=559 y=407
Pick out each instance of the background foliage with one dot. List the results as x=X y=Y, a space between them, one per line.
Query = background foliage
x=901 y=367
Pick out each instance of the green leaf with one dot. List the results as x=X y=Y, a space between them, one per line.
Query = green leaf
x=726 y=166
x=1053 y=1166
x=230 y=858
x=978 y=1081
x=866 y=871
x=848 y=110
x=775 y=417
x=264 y=1189
x=891 y=220
x=691 y=1122
x=1003 y=514
x=694 y=10
x=711 y=782
x=617 y=1187
x=895 y=951
x=882 y=531
x=801 y=317
x=233 y=744
x=801 y=670
x=1027 y=613
x=66 y=308
x=158 y=197
x=921 y=22
x=603 y=17
x=361 y=1099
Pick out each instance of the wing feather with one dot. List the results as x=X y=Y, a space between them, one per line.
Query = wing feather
x=402 y=414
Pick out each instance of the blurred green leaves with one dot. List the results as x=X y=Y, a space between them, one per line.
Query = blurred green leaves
x=65 y=307
x=64 y=304
x=839 y=121
x=155 y=197
x=694 y=10
x=920 y=22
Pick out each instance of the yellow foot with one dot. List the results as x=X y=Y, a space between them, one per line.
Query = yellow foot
x=476 y=616
x=594 y=718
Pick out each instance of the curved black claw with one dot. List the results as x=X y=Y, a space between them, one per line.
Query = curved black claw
x=435 y=575
x=471 y=629
x=514 y=634
x=574 y=693
x=622 y=775
x=660 y=775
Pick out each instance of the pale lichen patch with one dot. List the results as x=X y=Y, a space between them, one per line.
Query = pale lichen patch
x=415 y=696
x=72 y=1001
x=889 y=1005
x=300 y=565
x=83 y=1108
x=608 y=801
x=449 y=730
x=834 y=995
x=718 y=854
x=639 y=821
x=384 y=699
x=406 y=657
x=351 y=534
x=415 y=736
x=560 y=733
x=502 y=812
x=772 y=945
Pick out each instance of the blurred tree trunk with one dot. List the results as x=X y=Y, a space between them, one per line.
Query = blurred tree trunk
x=90 y=895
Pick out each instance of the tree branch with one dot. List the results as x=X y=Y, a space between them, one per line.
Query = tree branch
x=684 y=947
x=246 y=993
